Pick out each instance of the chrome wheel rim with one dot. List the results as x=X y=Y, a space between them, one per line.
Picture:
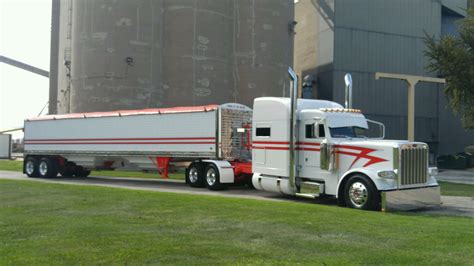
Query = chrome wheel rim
x=193 y=175
x=358 y=194
x=30 y=167
x=211 y=177
x=43 y=168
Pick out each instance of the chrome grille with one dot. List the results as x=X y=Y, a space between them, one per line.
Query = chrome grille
x=413 y=164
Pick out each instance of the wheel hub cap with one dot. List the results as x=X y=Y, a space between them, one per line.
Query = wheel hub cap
x=43 y=168
x=193 y=175
x=358 y=194
x=211 y=177
x=30 y=167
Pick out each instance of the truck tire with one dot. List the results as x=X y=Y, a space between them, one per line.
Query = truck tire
x=213 y=178
x=68 y=169
x=80 y=171
x=360 y=193
x=195 y=175
x=47 y=167
x=31 y=167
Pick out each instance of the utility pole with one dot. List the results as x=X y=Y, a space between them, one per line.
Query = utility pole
x=411 y=81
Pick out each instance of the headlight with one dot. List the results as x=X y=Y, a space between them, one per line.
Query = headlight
x=387 y=174
x=433 y=171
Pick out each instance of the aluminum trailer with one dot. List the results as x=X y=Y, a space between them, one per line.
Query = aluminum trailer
x=149 y=139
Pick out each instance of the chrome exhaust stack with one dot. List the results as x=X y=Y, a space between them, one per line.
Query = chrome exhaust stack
x=293 y=98
x=348 y=97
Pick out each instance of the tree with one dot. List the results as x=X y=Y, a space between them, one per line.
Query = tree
x=453 y=58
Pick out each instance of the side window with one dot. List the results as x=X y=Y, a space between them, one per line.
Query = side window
x=263 y=132
x=310 y=132
x=321 y=132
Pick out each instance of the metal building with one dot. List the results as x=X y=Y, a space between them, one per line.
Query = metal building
x=122 y=54
x=334 y=37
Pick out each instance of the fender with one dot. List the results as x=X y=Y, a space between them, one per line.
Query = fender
x=226 y=170
x=380 y=183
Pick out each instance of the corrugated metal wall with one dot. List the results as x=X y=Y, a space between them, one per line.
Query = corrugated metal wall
x=370 y=37
x=365 y=36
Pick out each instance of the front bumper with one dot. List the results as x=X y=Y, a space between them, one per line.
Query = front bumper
x=411 y=199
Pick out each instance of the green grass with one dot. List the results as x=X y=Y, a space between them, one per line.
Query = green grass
x=9 y=165
x=68 y=224
x=455 y=189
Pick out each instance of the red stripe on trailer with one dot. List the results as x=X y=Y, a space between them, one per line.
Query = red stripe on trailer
x=113 y=139
x=120 y=143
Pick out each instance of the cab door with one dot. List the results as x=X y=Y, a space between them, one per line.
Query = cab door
x=314 y=134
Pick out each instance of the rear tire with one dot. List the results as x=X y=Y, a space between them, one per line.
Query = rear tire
x=213 y=181
x=68 y=169
x=81 y=172
x=360 y=193
x=48 y=167
x=31 y=167
x=195 y=175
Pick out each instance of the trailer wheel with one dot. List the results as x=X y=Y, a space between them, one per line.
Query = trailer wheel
x=48 y=167
x=68 y=169
x=80 y=171
x=31 y=167
x=360 y=193
x=213 y=178
x=195 y=175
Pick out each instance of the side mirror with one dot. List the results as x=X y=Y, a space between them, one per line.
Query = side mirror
x=381 y=133
x=327 y=156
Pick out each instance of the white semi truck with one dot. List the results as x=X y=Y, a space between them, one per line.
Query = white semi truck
x=306 y=148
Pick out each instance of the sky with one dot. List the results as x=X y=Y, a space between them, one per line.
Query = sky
x=25 y=31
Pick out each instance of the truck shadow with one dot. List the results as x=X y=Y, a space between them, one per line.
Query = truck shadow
x=179 y=186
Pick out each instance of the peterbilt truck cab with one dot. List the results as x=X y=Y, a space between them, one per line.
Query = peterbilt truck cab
x=329 y=152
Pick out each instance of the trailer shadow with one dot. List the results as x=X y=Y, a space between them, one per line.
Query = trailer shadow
x=168 y=185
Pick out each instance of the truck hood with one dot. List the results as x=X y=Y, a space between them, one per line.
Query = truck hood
x=370 y=153
x=373 y=143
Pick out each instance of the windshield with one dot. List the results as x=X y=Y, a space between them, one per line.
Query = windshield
x=348 y=132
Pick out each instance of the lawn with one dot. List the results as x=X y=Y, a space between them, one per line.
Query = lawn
x=455 y=189
x=68 y=224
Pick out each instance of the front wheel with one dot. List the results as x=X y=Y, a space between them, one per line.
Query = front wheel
x=213 y=181
x=360 y=193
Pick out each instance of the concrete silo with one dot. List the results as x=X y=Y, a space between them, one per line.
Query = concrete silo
x=125 y=54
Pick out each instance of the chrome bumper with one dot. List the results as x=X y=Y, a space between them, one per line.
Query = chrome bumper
x=411 y=199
